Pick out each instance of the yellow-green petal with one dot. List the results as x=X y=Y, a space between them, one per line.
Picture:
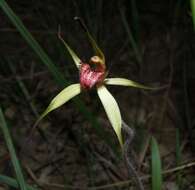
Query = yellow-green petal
x=125 y=82
x=63 y=97
x=112 y=110
x=74 y=56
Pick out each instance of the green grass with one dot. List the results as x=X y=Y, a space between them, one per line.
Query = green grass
x=134 y=15
x=156 y=166
x=13 y=183
x=130 y=36
x=10 y=146
x=193 y=12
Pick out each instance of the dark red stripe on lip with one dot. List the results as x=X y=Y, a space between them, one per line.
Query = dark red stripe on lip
x=90 y=77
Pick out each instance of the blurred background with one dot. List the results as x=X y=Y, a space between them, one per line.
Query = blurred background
x=74 y=147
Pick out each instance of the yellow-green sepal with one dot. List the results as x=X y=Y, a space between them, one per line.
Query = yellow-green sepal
x=125 y=82
x=112 y=110
x=74 y=56
x=96 y=48
x=63 y=97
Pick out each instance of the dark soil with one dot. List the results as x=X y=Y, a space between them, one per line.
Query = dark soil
x=66 y=152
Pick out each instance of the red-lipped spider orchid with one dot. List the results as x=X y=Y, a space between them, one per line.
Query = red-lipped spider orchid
x=93 y=74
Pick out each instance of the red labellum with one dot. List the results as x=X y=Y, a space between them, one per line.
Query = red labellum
x=90 y=77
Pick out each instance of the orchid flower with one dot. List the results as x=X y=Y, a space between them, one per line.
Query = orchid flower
x=93 y=74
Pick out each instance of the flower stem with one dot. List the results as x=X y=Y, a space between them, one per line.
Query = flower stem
x=127 y=151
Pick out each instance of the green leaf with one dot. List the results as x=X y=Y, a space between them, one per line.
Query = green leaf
x=193 y=11
x=112 y=110
x=97 y=50
x=125 y=82
x=14 y=159
x=74 y=56
x=12 y=182
x=64 y=96
x=156 y=166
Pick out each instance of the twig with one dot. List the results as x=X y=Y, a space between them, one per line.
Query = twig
x=108 y=164
x=127 y=154
x=121 y=183
x=31 y=174
x=145 y=177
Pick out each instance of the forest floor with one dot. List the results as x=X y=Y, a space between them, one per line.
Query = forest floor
x=67 y=152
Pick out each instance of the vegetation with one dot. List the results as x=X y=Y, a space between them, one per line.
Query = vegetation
x=75 y=147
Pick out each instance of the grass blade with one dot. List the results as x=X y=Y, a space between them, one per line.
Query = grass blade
x=135 y=19
x=193 y=12
x=130 y=36
x=14 y=159
x=52 y=68
x=156 y=166
x=12 y=182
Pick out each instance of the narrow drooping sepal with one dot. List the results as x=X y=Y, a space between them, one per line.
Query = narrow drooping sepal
x=63 y=97
x=112 y=110
x=125 y=82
